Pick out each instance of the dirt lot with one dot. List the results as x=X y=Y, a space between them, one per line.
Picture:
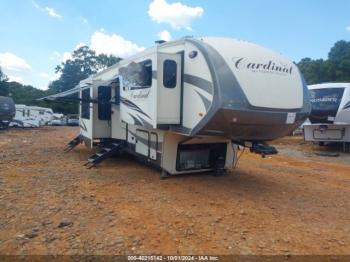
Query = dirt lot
x=292 y=203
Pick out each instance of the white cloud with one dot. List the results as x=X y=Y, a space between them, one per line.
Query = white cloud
x=44 y=75
x=17 y=79
x=176 y=14
x=80 y=44
x=63 y=57
x=51 y=12
x=12 y=62
x=164 y=35
x=66 y=56
x=36 y=5
x=55 y=56
x=113 y=44
x=348 y=29
x=102 y=43
x=55 y=76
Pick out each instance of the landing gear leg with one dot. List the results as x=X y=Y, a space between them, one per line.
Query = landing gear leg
x=219 y=169
x=220 y=172
x=164 y=174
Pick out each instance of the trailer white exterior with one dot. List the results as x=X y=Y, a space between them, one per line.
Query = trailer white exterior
x=31 y=116
x=183 y=105
x=330 y=114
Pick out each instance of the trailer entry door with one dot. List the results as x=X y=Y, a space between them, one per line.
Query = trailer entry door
x=169 y=88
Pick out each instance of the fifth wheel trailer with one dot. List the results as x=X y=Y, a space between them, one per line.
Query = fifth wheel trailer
x=184 y=105
x=330 y=114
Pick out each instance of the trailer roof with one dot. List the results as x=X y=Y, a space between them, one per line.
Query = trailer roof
x=329 y=85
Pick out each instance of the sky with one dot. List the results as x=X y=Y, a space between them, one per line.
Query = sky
x=37 y=35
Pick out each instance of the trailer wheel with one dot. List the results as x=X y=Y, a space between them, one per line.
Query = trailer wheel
x=164 y=174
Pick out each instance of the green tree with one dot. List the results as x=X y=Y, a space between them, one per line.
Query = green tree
x=335 y=69
x=339 y=61
x=84 y=63
x=314 y=71
x=3 y=84
x=104 y=61
x=24 y=94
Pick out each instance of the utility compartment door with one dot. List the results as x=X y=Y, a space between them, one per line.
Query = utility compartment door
x=142 y=142
x=169 y=88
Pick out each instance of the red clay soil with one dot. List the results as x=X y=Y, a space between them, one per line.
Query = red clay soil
x=51 y=204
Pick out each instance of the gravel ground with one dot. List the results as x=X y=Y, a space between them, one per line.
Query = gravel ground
x=292 y=203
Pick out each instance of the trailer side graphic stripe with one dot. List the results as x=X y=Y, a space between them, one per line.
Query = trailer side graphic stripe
x=131 y=105
x=199 y=82
x=82 y=125
x=206 y=102
x=347 y=105
x=136 y=121
x=145 y=123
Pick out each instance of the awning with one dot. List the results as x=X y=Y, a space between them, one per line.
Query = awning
x=63 y=94
x=77 y=89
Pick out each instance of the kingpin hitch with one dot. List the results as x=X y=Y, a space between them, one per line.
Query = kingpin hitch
x=260 y=148
x=263 y=149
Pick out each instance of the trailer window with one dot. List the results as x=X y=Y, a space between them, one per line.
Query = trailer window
x=85 y=104
x=104 y=103
x=137 y=75
x=325 y=104
x=169 y=73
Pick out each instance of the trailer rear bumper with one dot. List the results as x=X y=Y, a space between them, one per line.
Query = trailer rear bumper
x=327 y=132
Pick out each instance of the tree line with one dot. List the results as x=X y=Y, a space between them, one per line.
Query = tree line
x=84 y=62
x=336 y=68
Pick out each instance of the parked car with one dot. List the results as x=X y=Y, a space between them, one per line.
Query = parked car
x=56 y=122
x=73 y=122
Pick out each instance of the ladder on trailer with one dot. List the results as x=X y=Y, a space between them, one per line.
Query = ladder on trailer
x=104 y=153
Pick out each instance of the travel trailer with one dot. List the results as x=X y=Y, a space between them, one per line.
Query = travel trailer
x=185 y=105
x=330 y=113
x=7 y=111
x=31 y=116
